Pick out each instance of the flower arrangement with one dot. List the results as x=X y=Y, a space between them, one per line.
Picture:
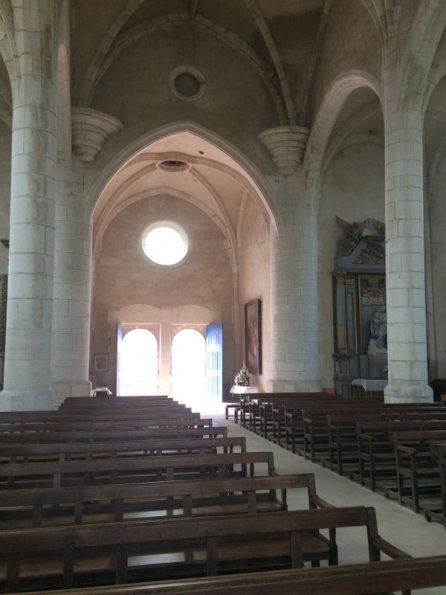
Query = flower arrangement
x=242 y=377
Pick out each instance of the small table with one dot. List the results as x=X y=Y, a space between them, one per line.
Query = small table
x=243 y=390
x=370 y=385
x=238 y=390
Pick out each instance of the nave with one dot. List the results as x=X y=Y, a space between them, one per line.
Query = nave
x=86 y=491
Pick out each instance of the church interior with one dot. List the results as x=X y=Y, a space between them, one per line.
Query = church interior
x=220 y=200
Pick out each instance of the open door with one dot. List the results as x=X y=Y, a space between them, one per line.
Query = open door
x=119 y=336
x=214 y=360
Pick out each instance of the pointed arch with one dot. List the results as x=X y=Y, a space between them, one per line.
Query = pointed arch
x=247 y=172
x=328 y=113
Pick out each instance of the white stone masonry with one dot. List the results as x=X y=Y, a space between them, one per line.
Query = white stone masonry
x=29 y=310
x=295 y=323
x=405 y=276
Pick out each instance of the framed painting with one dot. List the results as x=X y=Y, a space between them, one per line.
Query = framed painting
x=253 y=336
x=101 y=363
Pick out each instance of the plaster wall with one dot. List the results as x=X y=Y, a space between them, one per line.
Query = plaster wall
x=124 y=277
x=255 y=281
x=352 y=189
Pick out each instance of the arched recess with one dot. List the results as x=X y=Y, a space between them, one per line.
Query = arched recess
x=224 y=152
x=227 y=194
x=328 y=113
x=435 y=221
x=347 y=150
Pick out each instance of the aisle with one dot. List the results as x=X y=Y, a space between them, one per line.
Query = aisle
x=399 y=525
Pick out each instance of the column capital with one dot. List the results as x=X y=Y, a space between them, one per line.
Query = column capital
x=286 y=145
x=91 y=128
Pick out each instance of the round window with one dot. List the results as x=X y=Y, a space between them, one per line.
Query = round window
x=165 y=243
x=187 y=83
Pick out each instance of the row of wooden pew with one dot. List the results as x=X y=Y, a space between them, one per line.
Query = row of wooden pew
x=399 y=449
x=109 y=493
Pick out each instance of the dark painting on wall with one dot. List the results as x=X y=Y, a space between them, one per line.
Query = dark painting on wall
x=253 y=336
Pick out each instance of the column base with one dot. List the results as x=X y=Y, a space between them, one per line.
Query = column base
x=406 y=391
x=296 y=386
x=64 y=389
x=26 y=401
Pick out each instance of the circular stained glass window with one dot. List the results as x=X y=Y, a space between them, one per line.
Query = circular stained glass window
x=165 y=243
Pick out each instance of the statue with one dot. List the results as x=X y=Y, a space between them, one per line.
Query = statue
x=378 y=332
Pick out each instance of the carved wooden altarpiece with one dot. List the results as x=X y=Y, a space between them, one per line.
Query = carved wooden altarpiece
x=359 y=302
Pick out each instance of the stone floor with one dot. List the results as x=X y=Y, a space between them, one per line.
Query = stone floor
x=399 y=525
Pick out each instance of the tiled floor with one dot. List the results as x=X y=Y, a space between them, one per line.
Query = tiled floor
x=399 y=525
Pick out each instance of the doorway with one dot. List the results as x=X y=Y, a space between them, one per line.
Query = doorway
x=138 y=364
x=188 y=368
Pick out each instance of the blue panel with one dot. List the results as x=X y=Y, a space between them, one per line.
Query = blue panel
x=119 y=336
x=214 y=360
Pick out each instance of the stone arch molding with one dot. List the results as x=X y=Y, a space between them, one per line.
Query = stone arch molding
x=255 y=182
x=327 y=115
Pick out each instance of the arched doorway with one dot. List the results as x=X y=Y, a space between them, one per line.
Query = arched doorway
x=188 y=368
x=138 y=364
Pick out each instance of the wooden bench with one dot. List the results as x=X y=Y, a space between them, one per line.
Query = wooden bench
x=349 y=579
x=135 y=423
x=148 y=550
x=417 y=468
x=377 y=462
x=105 y=503
x=250 y=406
x=112 y=435
x=343 y=435
x=114 y=401
x=60 y=451
x=135 y=469
x=316 y=422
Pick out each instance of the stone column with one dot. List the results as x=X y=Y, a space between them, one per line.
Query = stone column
x=29 y=310
x=71 y=310
x=295 y=322
x=72 y=252
x=294 y=264
x=405 y=267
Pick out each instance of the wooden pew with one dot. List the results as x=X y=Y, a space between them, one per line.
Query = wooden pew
x=377 y=462
x=348 y=579
x=316 y=421
x=135 y=469
x=112 y=435
x=129 y=551
x=97 y=426
x=105 y=503
x=343 y=432
x=61 y=451
x=417 y=468
x=250 y=406
x=114 y=401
